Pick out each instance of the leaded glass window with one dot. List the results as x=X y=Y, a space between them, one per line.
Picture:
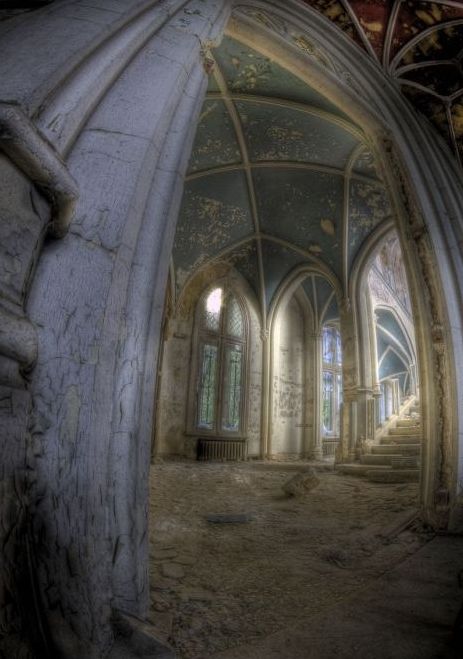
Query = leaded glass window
x=221 y=351
x=328 y=391
x=231 y=407
x=234 y=318
x=207 y=390
x=331 y=380
x=211 y=310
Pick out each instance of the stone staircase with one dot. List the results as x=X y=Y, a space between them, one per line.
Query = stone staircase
x=395 y=458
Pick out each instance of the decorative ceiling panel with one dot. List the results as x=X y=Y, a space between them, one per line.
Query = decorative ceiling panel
x=388 y=322
x=244 y=259
x=337 y=12
x=437 y=45
x=214 y=215
x=246 y=71
x=281 y=133
x=457 y=124
x=304 y=208
x=444 y=79
x=278 y=261
x=368 y=206
x=332 y=312
x=267 y=185
x=416 y=18
x=418 y=43
x=215 y=142
x=434 y=108
x=321 y=296
x=391 y=365
x=373 y=16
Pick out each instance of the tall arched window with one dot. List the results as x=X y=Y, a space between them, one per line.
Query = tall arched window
x=331 y=379
x=220 y=380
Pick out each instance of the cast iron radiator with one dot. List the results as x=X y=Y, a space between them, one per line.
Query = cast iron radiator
x=221 y=449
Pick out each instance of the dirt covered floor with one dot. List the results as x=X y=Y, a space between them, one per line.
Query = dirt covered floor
x=218 y=584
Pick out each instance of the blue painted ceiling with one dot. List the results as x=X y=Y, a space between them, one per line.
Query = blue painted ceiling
x=278 y=177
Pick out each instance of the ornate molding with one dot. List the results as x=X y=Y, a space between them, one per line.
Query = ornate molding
x=23 y=144
x=37 y=196
x=440 y=421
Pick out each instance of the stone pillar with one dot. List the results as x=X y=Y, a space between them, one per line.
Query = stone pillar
x=368 y=372
x=36 y=197
x=267 y=389
x=350 y=378
x=119 y=100
x=316 y=452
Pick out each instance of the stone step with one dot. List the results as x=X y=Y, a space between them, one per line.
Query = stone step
x=402 y=431
x=407 y=423
x=401 y=439
x=356 y=469
x=396 y=449
x=394 y=475
x=378 y=458
x=405 y=462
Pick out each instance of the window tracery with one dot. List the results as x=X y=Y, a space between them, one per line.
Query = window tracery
x=221 y=351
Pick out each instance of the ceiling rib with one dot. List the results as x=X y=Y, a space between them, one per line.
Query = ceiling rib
x=389 y=34
x=345 y=217
x=283 y=164
x=453 y=137
x=324 y=267
x=421 y=35
x=361 y=32
x=293 y=105
x=422 y=65
x=327 y=306
x=315 y=301
x=416 y=85
x=234 y=116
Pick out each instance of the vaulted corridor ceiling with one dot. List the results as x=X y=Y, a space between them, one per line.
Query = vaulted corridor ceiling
x=278 y=176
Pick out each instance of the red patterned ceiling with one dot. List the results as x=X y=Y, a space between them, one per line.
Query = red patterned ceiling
x=420 y=44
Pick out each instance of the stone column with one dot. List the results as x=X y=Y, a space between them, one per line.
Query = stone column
x=267 y=393
x=350 y=378
x=119 y=100
x=36 y=198
x=317 y=377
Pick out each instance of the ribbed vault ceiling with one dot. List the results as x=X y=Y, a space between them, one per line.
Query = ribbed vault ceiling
x=419 y=44
x=278 y=177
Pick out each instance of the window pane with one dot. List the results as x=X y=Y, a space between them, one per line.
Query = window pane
x=329 y=345
x=212 y=308
x=338 y=349
x=207 y=387
x=231 y=408
x=328 y=395
x=338 y=402
x=234 y=318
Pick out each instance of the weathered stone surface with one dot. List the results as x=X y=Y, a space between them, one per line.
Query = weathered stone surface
x=229 y=518
x=172 y=570
x=302 y=483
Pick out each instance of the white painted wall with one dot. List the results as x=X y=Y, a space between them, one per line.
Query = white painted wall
x=288 y=380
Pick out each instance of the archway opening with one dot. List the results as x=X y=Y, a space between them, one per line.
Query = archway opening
x=283 y=198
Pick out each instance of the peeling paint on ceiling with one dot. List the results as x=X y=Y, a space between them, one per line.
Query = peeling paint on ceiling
x=276 y=175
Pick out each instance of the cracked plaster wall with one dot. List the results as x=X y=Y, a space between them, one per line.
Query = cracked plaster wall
x=96 y=298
